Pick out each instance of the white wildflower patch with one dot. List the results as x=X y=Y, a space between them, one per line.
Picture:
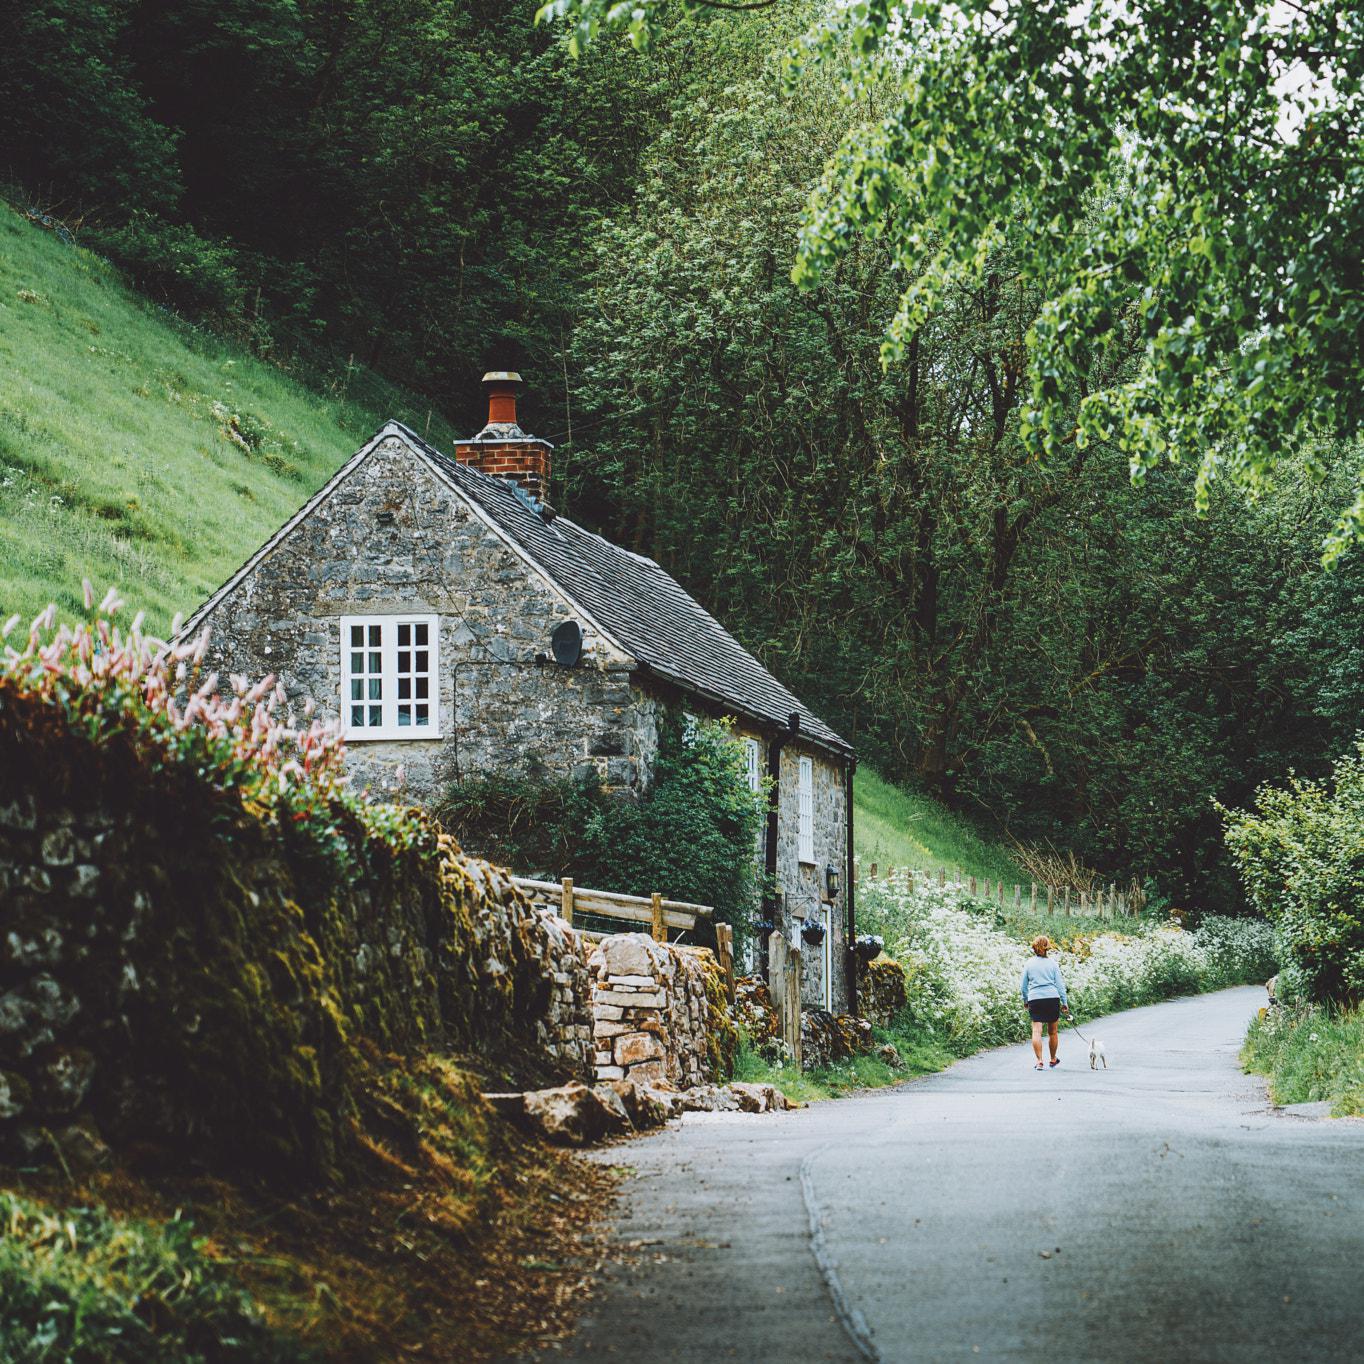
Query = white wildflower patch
x=964 y=969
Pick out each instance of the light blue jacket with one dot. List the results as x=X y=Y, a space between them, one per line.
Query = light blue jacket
x=1042 y=980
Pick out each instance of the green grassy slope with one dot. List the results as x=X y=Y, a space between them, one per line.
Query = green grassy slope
x=895 y=827
x=138 y=451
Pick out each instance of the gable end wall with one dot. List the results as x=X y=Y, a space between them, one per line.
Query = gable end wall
x=500 y=711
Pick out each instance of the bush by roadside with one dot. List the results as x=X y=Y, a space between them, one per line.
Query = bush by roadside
x=1310 y=1055
x=1300 y=854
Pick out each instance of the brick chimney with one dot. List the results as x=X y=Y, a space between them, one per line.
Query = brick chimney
x=502 y=449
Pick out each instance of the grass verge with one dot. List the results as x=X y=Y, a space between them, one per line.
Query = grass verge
x=1310 y=1055
x=475 y=1247
x=919 y=1053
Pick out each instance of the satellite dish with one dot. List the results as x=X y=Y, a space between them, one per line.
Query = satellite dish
x=567 y=643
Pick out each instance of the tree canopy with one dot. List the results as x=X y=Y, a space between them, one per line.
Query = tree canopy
x=1185 y=178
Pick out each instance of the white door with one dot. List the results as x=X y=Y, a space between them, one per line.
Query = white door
x=827 y=919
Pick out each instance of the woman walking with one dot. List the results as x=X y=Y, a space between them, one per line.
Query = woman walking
x=1044 y=993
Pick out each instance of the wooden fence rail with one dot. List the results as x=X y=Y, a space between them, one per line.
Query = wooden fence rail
x=1100 y=903
x=633 y=912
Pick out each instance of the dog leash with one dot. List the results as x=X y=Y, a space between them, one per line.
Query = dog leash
x=1076 y=1029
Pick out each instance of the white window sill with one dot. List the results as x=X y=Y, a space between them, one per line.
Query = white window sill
x=405 y=734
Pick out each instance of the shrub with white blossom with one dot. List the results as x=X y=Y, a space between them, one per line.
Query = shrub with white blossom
x=964 y=970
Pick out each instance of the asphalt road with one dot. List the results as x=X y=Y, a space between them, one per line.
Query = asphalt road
x=1156 y=1211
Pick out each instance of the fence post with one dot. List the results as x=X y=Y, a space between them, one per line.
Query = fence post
x=783 y=978
x=973 y=886
x=566 y=901
x=1018 y=896
x=1032 y=897
x=909 y=878
x=1048 y=890
x=942 y=877
x=1112 y=900
x=660 y=925
x=999 y=893
x=872 y=872
x=724 y=952
x=1065 y=902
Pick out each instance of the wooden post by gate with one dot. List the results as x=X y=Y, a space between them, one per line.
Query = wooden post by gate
x=783 y=981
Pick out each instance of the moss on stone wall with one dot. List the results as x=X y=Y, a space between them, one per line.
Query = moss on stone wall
x=223 y=990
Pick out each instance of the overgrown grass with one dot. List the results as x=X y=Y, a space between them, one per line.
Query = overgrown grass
x=77 y=1283
x=1310 y=1055
x=920 y=1053
x=895 y=826
x=140 y=451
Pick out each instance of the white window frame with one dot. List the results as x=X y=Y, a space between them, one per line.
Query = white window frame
x=805 y=811
x=389 y=701
x=753 y=764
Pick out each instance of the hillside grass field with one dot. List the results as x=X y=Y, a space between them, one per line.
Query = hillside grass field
x=897 y=827
x=142 y=452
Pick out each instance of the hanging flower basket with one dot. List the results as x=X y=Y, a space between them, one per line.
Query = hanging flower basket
x=869 y=946
x=812 y=932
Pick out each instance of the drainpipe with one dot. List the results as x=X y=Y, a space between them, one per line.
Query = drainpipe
x=770 y=901
x=850 y=892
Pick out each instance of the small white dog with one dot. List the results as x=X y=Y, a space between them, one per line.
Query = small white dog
x=1096 y=1054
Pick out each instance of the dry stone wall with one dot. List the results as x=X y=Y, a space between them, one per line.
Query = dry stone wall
x=176 y=973
x=882 y=990
x=659 y=1013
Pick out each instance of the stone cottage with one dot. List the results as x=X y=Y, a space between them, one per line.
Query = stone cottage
x=441 y=611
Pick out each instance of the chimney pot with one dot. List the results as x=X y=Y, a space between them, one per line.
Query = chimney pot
x=502 y=386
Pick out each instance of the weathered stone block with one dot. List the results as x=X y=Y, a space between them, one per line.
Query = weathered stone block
x=635 y=1047
x=644 y=999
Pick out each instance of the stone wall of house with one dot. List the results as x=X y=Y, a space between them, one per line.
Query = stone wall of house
x=176 y=974
x=804 y=883
x=660 y=1016
x=393 y=538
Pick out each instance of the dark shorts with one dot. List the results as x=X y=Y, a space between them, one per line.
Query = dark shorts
x=1044 y=1010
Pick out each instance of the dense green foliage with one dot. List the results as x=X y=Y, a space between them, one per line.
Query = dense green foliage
x=432 y=187
x=1310 y=1055
x=1300 y=852
x=78 y=1284
x=1163 y=174
x=690 y=836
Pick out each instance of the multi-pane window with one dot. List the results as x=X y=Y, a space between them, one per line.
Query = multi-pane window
x=805 y=845
x=388 y=666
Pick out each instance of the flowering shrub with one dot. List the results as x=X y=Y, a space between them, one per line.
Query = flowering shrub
x=105 y=682
x=964 y=971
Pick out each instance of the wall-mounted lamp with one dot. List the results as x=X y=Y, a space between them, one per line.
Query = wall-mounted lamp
x=833 y=882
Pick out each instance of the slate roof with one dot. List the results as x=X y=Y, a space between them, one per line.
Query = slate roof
x=642 y=607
